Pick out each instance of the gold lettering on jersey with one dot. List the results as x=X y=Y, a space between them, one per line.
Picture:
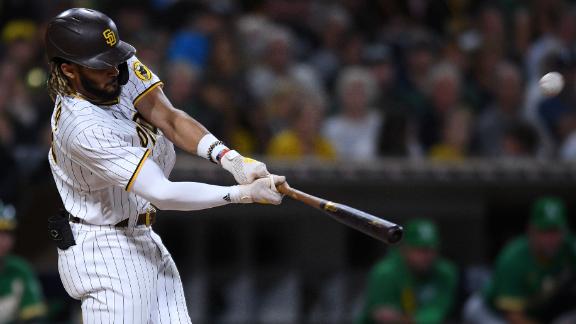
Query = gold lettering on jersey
x=146 y=132
x=141 y=71
x=110 y=37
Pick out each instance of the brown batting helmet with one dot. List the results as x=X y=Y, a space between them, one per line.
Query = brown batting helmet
x=86 y=37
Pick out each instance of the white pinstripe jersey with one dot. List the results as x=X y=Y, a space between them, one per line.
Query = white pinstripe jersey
x=97 y=151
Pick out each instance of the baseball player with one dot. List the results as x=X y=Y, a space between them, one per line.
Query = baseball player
x=112 y=152
x=21 y=297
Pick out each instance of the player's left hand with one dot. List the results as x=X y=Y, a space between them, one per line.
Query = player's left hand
x=245 y=170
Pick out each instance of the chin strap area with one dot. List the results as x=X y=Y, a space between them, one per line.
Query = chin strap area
x=123 y=73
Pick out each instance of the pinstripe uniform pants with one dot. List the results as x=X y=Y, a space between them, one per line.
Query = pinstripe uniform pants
x=122 y=275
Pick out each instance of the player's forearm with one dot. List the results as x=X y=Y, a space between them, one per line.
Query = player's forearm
x=185 y=132
x=152 y=185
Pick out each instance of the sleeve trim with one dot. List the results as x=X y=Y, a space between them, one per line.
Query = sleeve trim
x=145 y=92
x=33 y=311
x=510 y=303
x=135 y=174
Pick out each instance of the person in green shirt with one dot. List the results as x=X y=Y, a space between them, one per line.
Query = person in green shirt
x=412 y=284
x=21 y=298
x=534 y=277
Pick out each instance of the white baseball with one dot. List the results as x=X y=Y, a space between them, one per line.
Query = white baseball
x=551 y=83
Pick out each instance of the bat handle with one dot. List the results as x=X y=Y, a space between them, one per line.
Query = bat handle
x=285 y=189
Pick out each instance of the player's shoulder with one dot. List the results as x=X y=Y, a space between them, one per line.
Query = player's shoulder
x=15 y=264
x=139 y=70
x=389 y=266
x=517 y=248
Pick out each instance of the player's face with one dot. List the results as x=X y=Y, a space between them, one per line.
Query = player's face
x=6 y=243
x=420 y=260
x=99 y=84
x=546 y=243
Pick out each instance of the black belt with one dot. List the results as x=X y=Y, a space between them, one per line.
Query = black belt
x=147 y=219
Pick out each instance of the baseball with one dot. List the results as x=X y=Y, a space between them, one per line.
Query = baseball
x=551 y=83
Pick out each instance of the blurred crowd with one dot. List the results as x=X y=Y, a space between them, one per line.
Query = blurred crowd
x=349 y=79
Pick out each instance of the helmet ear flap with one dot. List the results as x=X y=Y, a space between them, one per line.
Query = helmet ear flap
x=123 y=73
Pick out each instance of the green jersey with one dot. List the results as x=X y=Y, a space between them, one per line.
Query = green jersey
x=20 y=295
x=521 y=281
x=426 y=299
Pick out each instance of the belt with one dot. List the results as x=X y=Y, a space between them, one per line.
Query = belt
x=147 y=219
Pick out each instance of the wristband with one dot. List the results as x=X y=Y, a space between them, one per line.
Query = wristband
x=210 y=148
x=221 y=154
x=204 y=145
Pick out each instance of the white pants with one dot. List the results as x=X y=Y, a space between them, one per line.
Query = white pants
x=122 y=275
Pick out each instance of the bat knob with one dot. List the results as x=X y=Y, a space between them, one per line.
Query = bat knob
x=395 y=234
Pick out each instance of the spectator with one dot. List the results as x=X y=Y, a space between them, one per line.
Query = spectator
x=414 y=284
x=505 y=111
x=20 y=294
x=354 y=131
x=303 y=139
x=534 y=278
x=277 y=63
x=280 y=104
x=182 y=86
x=331 y=27
x=455 y=137
x=520 y=140
x=444 y=85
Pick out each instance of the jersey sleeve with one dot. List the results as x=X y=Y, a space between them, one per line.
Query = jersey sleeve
x=382 y=290
x=509 y=273
x=140 y=80
x=32 y=304
x=105 y=152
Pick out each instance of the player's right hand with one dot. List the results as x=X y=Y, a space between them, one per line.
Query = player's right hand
x=262 y=191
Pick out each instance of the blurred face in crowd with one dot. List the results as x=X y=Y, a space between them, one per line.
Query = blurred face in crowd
x=420 y=259
x=223 y=56
x=181 y=82
x=457 y=129
x=6 y=243
x=508 y=88
x=492 y=23
x=309 y=120
x=99 y=85
x=384 y=74
x=419 y=61
x=546 y=243
x=22 y=52
x=355 y=99
x=444 y=93
x=278 y=54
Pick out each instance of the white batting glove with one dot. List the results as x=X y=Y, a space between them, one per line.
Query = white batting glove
x=262 y=191
x=245 y=170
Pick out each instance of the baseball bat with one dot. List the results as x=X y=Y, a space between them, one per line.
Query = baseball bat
x=371 y=225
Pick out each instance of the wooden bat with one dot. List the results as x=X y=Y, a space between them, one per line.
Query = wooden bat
x=371 y=225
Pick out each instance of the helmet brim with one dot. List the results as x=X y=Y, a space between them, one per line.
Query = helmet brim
x=111 y=58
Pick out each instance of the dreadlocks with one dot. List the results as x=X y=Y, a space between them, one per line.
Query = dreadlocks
x=57 y=81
